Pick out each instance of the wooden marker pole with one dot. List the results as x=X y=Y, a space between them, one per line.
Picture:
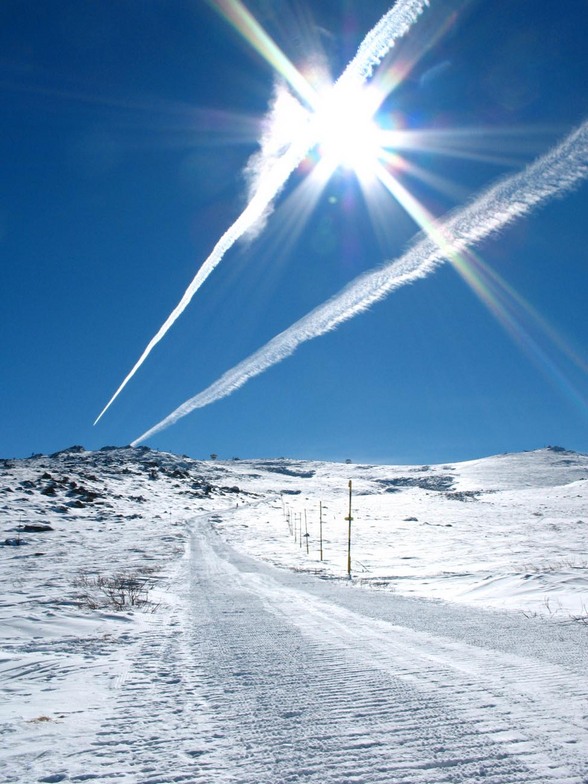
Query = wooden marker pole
x=349 y=518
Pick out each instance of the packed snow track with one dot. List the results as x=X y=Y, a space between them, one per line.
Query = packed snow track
x=254 y=675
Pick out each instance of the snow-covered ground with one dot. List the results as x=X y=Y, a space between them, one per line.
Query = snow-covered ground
x=232 y=670
x=509 y=531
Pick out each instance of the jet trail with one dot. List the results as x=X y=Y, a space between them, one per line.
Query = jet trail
x=555 y=173
x=375 y=46
x=377 y=43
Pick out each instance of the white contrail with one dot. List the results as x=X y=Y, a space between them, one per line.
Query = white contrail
x=555 y=173
x=375 y=46
x=392 y=26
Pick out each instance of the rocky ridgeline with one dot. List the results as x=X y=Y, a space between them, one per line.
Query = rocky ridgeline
x=75 y=479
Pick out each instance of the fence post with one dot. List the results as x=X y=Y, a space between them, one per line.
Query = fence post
x=321 y=528
x=349 y=518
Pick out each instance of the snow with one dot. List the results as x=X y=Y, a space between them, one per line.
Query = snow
x=456 y=651
x=508 y=531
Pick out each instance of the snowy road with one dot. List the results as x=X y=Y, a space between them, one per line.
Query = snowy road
x=263 y=676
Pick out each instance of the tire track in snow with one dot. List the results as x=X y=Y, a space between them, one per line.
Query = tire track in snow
x=250 y=680
x=548 y=700
x=535 y=711
x=303 y=714
x=160 y=721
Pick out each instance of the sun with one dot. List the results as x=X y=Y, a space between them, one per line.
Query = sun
x=346 y=131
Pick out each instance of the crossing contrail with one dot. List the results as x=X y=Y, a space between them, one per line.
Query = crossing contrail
x=551 y=175
x=392 y=26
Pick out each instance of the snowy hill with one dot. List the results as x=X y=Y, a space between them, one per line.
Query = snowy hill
x=99 y=551
x=509 y=530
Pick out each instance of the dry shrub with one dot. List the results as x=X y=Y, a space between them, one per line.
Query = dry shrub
x=117 y=592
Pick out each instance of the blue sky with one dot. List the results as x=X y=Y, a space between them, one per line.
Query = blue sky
x=125 y=130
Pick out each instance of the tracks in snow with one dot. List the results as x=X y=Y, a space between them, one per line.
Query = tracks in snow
x=254 y=680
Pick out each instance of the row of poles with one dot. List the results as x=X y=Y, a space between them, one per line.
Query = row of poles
x=295 y=527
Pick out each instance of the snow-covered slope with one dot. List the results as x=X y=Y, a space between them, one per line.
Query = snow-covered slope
x=80 y=531
x=509 y=530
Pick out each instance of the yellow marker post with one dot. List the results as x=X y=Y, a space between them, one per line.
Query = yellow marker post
x=349 y=519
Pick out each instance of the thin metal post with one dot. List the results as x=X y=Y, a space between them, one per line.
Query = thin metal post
x=306 y=536
x=349 y=518
x=321 y=528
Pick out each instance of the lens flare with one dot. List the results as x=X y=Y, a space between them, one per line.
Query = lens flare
x=377 y=43
x=346 y=132
x=247 y=25
x=336 y=128
x=555 y=173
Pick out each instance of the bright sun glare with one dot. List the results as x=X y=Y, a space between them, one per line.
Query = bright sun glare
x=347 y=134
